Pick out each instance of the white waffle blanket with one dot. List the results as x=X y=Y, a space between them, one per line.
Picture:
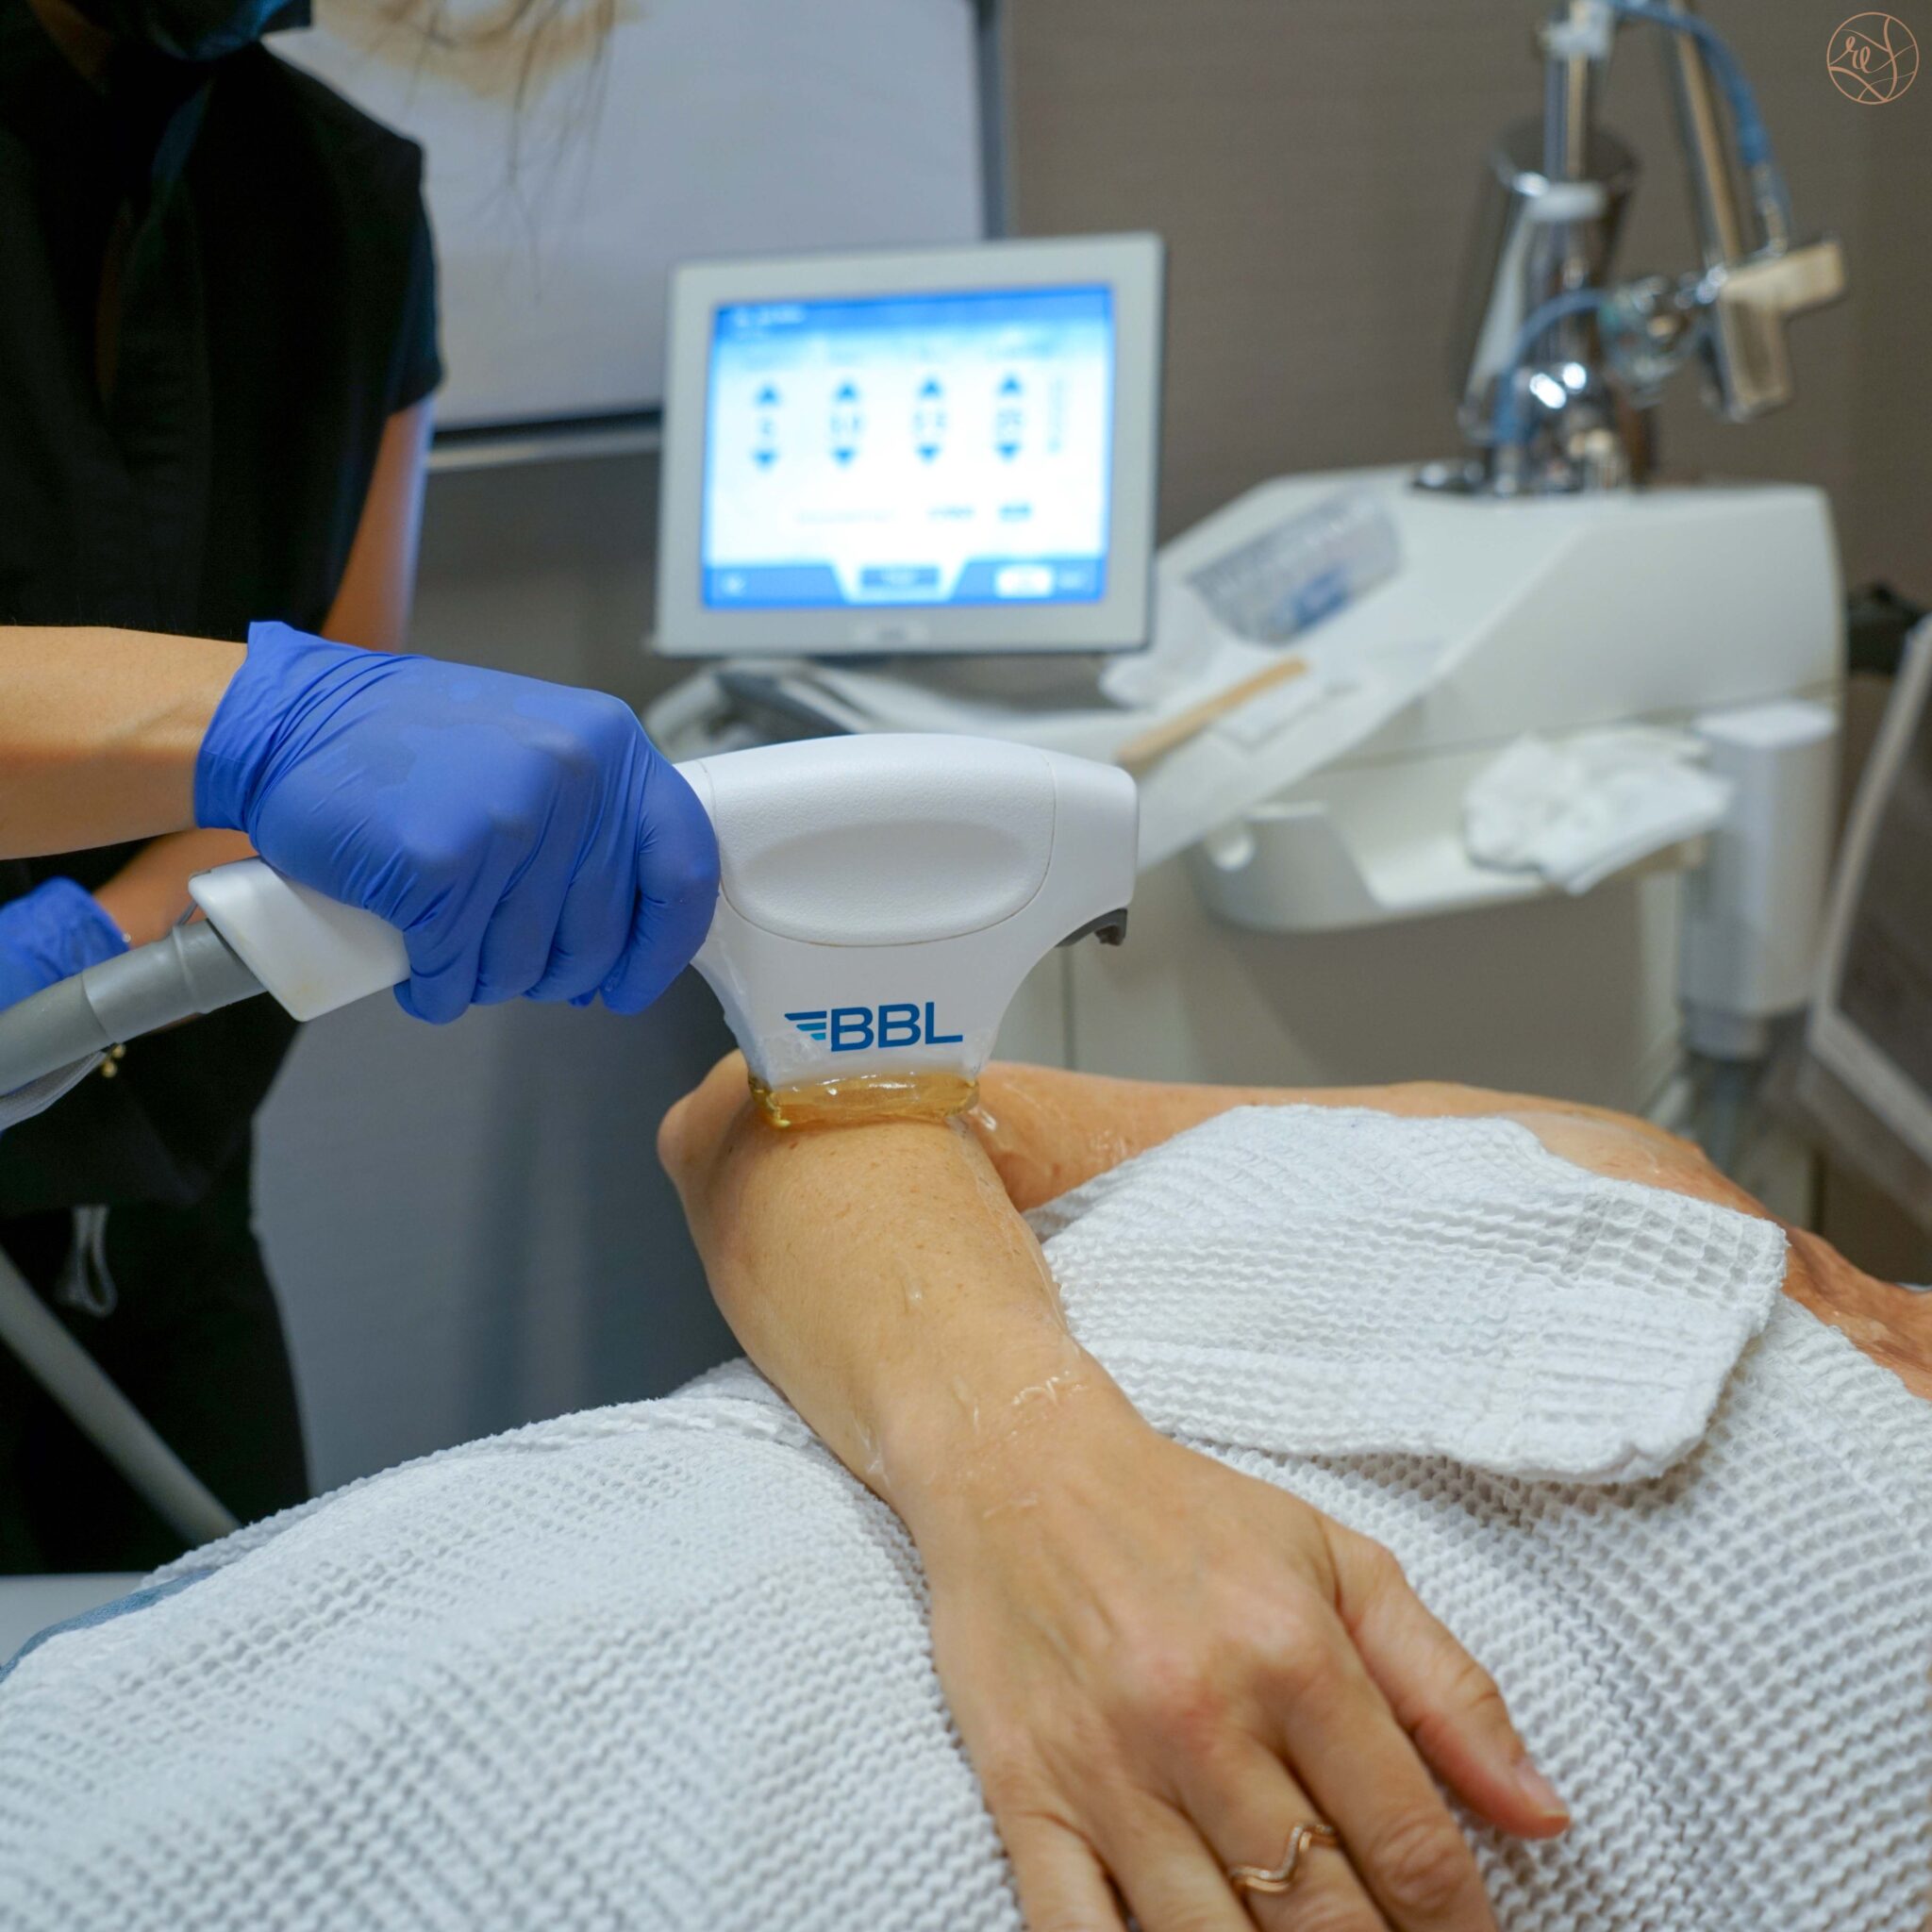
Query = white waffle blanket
x=666 y=1665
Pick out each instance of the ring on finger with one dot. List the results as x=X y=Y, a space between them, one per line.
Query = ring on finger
x=1316 y=1834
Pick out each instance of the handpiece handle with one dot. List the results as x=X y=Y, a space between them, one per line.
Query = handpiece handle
x=311 y=951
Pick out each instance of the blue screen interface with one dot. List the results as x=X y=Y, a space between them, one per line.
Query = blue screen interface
x=909 y=450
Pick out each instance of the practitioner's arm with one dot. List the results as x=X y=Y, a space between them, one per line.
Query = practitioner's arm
x=1157 y=1665
x=527 y=839
x=99 y=731
x=371 y=609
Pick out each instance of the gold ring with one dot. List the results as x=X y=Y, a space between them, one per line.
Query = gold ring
x=1258 y=1878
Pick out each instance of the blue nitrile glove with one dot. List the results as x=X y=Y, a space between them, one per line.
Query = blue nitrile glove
x=526 y=837
x=55 y=931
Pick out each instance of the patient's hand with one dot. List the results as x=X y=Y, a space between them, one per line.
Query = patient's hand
x=1159 y=1666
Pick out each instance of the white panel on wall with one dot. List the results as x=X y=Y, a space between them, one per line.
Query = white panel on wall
x=572 y=163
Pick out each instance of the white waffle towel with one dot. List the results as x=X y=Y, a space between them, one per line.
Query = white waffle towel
x=667 y=1666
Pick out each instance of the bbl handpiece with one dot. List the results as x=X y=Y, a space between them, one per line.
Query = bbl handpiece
x=881 y=899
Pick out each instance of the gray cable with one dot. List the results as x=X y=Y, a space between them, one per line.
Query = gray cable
x=37 y=1096
x=46 y=1043
x=191 y=971
x=104 y=1415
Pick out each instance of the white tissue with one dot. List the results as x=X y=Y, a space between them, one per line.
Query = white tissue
x=1582 y=810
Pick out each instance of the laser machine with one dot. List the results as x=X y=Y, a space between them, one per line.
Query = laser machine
x=1568 y=589
x=1325 y=919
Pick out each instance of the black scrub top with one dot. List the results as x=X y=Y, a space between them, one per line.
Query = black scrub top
x=277 y=307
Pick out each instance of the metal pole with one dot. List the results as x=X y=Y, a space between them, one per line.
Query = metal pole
x=1707 y=156
x=991 y=55
x=1570 y=105
x=104 y=1415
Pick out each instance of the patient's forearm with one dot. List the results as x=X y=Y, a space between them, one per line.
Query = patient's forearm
x=880 y=1276
x=1048 y=1130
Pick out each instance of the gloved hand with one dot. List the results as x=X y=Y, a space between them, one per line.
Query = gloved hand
x=526 y=837
x=50 y=934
